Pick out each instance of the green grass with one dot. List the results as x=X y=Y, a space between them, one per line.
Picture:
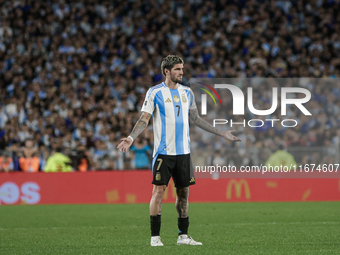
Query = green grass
x=224 y=228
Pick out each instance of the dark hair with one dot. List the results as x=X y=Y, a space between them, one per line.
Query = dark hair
x=169 y=62
x=280 y=147
x=59 y=149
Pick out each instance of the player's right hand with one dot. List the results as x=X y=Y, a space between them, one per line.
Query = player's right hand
x=125 y=144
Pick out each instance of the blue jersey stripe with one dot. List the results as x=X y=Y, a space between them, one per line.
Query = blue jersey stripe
x=161 y=105
x=189 y=96
x=178 y=121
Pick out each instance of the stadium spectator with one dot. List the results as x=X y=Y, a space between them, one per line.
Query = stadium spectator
x=81 y=159
x=281 y=158
x=142 y=152
x=15 y=152
x=43 y=155
x=58 y=162
x=29 y=163
x=107 y=164
x=6 y=163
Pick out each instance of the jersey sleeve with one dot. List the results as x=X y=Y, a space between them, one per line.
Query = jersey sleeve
x=192 y=105
x=149 y=104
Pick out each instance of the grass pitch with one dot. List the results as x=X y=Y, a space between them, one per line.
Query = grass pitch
x=224 y=228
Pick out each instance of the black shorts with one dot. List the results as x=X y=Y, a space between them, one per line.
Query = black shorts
x=179 y=167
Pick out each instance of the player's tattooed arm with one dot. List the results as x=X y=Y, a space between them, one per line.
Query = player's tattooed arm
x=182 y=202
x=141 y=124
x=198 y=121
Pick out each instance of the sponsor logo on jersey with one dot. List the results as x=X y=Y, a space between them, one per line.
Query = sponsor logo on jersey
x=168 y=100
x=184 y=99
x=192 y=179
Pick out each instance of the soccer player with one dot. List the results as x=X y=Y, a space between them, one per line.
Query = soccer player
x=171 y=104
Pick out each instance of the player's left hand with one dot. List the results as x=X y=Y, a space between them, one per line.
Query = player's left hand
x=229 y=136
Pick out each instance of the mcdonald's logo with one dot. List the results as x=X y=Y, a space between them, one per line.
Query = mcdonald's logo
x=238 y=188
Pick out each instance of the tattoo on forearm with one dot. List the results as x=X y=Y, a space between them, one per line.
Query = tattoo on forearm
x=198 y=121
x=140 y=125
x=138 y=129
x=182 y=204
x=194 y=115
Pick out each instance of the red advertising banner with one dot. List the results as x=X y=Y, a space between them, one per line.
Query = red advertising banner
x=135 y=187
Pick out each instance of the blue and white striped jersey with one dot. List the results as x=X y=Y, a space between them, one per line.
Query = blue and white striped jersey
x=170 y=110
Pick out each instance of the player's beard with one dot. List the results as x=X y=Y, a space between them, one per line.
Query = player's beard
x=174 y=79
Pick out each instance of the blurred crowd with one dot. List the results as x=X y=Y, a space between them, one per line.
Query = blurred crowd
x=74 y=73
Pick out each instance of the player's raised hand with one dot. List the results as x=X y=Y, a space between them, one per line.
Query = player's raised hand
x=229 y=136
x=125 y=144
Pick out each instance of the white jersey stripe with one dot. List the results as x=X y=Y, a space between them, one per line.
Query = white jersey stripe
x=170 y=125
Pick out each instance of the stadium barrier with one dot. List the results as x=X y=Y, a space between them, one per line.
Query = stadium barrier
x=135 y=187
